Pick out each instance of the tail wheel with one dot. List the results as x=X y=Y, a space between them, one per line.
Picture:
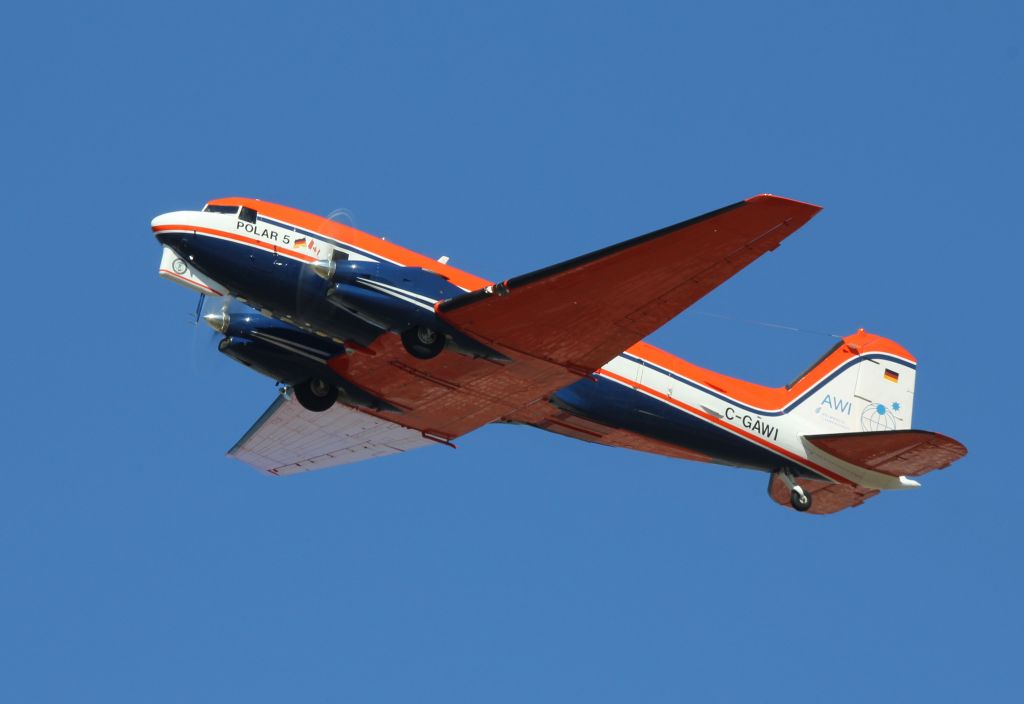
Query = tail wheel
x=423 y=342
x=316 y=395
x=799 y=500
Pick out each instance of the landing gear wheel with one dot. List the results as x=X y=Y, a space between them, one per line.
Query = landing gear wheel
x=799 y=500
x=423 y=342
x=316 y=395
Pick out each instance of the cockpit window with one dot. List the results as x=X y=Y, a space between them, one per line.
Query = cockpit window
x=248 y=215
x=229 y=209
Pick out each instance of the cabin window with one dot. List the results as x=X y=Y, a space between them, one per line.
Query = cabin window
x=228 y=209
x=339 y=255
x=247 y=215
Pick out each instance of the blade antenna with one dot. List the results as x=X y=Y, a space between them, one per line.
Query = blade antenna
x=199 y=308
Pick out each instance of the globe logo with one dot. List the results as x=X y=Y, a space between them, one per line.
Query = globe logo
x=877 y=417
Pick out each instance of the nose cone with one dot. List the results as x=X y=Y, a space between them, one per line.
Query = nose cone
x=324 y=268
x=171 y=228
x=161 y=220
x=219 y=321
x=179 y=219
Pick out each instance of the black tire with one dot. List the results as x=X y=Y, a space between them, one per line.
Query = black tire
x=316 y=395
x=423 y=342
x=801 y=502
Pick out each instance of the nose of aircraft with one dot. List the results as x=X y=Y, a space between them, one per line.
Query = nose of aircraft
x=159 y=220
x=170 y=227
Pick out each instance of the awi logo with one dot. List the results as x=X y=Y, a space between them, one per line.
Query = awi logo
x=835 y=411
x=837 y=404
x=878 y=416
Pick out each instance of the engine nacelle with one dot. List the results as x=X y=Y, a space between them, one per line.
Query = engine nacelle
x=287 y=354
x=255 y=326
x=397 y=299
x=386 y=311
x=278 y=364
x=413 y=282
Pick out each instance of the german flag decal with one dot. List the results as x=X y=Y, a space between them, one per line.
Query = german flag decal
x=892 y=376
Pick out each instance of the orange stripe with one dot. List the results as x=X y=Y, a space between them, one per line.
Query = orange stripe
x=717 y=421
x=765 y=397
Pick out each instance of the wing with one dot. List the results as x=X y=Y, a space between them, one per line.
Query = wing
x=287 y=439
x=581 y=313
x=559 y=324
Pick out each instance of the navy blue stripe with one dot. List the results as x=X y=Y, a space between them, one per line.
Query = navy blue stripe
x=800 y=399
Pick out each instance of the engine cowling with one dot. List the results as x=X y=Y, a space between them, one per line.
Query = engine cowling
x=287 y=354
x=398 y=299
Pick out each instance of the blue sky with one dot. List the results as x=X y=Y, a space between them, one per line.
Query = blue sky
x=141 y=564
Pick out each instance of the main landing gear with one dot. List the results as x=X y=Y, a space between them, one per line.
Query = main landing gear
x=798 y=498
x=316 y=395
x=423 y=342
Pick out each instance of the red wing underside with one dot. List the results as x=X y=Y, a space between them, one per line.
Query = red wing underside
x=583 y=312
x=559 y=324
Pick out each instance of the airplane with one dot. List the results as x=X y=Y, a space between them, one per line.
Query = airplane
x=381 y=350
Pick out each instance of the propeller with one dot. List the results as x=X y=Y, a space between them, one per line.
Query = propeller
x=310 y=288
x=199 y=308
x=342 y=215
x=217 y=318
x=214 y=312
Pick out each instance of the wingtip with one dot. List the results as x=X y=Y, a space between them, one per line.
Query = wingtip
x=783 y=199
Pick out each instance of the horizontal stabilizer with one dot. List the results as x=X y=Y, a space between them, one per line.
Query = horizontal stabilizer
x=895 y=452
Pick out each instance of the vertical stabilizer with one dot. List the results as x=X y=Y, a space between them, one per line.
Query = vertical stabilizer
x=865 y=383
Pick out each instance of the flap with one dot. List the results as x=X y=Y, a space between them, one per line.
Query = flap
x=288 y=439
x=581 y=313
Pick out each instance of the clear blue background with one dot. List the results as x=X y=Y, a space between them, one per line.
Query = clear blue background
x=140 y=564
